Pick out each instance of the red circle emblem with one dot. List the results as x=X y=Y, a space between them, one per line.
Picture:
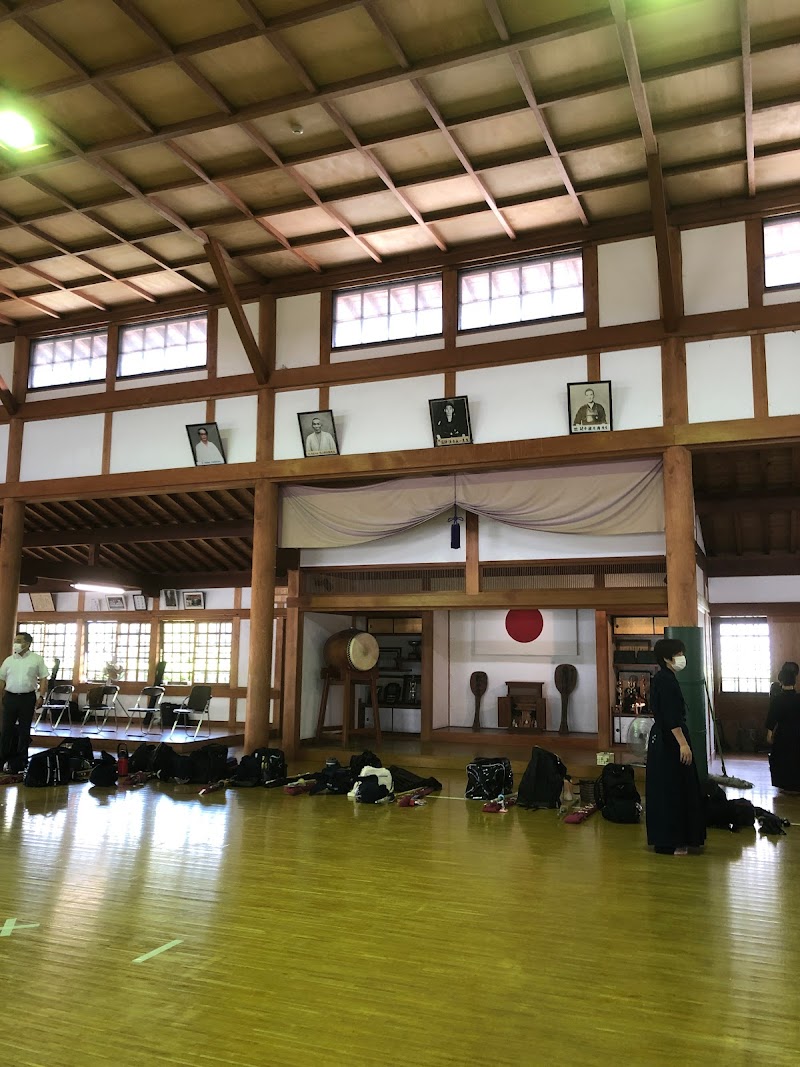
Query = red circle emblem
x=524 y=625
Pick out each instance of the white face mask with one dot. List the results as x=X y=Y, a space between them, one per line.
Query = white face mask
x=678 y=662
x=18 y=648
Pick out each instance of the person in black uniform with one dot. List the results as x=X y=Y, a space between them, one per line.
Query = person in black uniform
x=451 y=424
x=776 y=687
x=783 y=732
x=674 y=809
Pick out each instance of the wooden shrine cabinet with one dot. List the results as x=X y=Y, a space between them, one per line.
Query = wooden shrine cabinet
x=523 y=709
x=400 y=673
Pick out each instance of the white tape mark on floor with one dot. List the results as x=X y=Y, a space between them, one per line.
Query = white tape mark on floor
x=10 y=925
x=157 y=951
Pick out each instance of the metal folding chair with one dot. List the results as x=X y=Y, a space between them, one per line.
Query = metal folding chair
x=56 y=703
x=147 y=703
x=198 y=702
x=107 y=707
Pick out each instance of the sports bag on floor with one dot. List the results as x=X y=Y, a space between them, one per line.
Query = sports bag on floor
x=50 y=767
x=488 y=777
x=616 y=794
x=543 y=780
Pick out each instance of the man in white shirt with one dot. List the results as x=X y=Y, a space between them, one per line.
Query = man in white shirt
x=20 y=677
x=206 y=451
x=319 y=442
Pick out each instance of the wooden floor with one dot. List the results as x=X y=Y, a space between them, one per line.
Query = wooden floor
x=314 y=931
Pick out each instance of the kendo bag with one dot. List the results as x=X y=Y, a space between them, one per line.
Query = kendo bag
x=616 y=794
x=488 y=777
x=543 y=780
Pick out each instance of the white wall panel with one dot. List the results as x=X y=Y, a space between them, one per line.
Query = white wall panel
x=217 y=600
x=385 y=416
x=719 y=379
x=7 y=361
x=635 y=377
x=153 y=438
x=67 y=601
x=244 y=650
x=440 y=669
x=782 y=296
x=317 y=628
x=765 y=589
x=427 y=543
x=628 y=281
x=231 y=356
x=288 y=443
x=714 y=268
x=62 y=448
x=522 y=401
x=65 y=391
x=246 y=597
x=151 y=381
x=237 y=418
x=400 y=348
x=4 y=429
x=783 y=357
x=297 y=330
x=527 y=329
x=498 y=541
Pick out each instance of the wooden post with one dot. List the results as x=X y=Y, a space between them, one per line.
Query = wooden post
x=262 y=613
x=604 y=678
x=10 y=563
x=293 y=667
x=679 y=529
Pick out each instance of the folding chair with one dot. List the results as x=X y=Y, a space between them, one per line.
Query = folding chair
x=147 y=703
x=56 y=703
x=198 y=701
x=105 y=706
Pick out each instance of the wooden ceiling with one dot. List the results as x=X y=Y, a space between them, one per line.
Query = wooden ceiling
x=317 y=138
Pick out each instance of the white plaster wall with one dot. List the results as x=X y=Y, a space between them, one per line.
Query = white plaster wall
x=719 y=378
x=231 y=356
x=385 y=416
x=64 y=391
x=7 y=362
x=4 y=431
x=153 y=438
x=317 y=628
x=149 y=381
x=218 y=599
x=497 y=541
x=66 y=601
x=288 y=443
x=635 y=377
x=297 y=330
x=427 y=543
x=62 y=448
x=714 y=261
x=522 y=401
x=246 y=597
x=241 y=710
x=783 y=386
x=512 y=333
x=244 y=650
x=628 y=281
x=440 y=668
x=400 y=348
x=766 y=589
x=583 y=702
x=237 y=419
x=782 y=296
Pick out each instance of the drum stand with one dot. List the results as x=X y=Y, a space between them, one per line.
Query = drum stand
x=347 y=679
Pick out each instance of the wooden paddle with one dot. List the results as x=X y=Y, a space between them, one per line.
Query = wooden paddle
x=478 y=681
x=566 y=678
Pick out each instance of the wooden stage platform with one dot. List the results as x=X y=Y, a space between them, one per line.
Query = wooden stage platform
x=107 y=740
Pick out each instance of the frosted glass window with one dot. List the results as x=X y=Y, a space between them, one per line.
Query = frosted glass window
x=68 y=360
x=55 y=640
x=167 y=345
x=387 y=312
x=744 y=656
x=124 y=644
x=520 y=292
x=782 y=252
x=197 y=652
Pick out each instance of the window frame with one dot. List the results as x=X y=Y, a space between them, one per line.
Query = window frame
x=741 y=620
x=40 y=644
x=54 y=338
x=145 y=628
x=519 y=261
x=776 y=220
x=143 y=324
x=376 y=287
x=196 y=624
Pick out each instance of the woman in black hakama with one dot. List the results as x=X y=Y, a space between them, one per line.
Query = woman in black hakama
x=674 y=804
x=783 y=733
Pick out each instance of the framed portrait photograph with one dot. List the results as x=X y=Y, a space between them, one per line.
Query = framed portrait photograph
x=589 y=405
x=116 y=603
x=170 y=598
x=206 y=444
x=194 y=600
x=140 y=602
x=318 y=433
x=450 y=421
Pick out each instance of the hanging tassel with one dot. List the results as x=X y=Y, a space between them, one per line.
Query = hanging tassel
x=455 y=530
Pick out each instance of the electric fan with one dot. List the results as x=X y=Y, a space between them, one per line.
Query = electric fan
x=637 y=737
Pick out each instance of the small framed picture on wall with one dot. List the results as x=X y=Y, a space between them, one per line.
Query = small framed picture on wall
x=589 y=406
x=450 y=421
x=194 y=600
x=206 y=444
x=116 y=603
x=140 y=602
x=170 y=598
x=42 y=602
x=318 y=433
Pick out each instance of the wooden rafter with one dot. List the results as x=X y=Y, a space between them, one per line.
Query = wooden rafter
x=747 y=85
x=186 y=531
x=7 y=398
x=216 y=257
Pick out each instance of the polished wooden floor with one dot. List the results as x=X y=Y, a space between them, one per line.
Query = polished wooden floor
x=314 y=931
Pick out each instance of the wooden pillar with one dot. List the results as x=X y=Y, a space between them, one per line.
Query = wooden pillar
x=473 y=568
x=10 y=563
x=262 y=614
x=293 y=668
x=679 y=529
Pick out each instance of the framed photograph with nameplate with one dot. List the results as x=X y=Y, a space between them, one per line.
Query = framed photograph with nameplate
x=589 y=406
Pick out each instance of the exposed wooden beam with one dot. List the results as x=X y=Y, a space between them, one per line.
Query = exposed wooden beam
x=755 y=566
x=7 y=398
x=631 y=60
x=760 y=502
x=120 y=535
x=216 y=258
x=747 y=85
x=666 y=273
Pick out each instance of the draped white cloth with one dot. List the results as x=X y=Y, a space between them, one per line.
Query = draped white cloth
x=603 y=498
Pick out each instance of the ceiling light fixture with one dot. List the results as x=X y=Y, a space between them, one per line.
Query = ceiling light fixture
x=85 y=587
x=16 y=132
x=296 y=128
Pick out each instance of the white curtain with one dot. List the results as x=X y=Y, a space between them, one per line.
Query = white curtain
x=608 y=498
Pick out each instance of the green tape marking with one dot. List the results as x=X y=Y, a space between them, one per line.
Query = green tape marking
x=157 y=951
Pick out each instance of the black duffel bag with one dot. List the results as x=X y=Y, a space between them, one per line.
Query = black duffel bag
x=616 y=794
x=488 y=777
